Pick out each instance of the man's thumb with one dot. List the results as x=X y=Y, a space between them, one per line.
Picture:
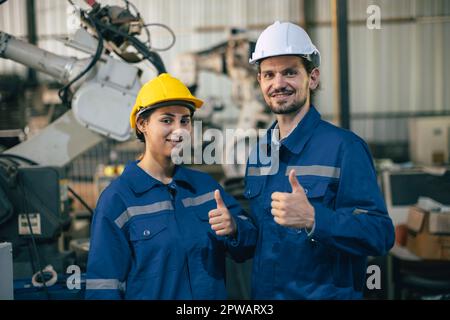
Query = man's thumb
x=219 y=201
x=296 y=187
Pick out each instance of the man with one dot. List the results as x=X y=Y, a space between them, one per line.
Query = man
x=317 y=206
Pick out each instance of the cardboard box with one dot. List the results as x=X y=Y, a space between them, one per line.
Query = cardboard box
x=429 y=233
x=430 y=140
x=439 y=223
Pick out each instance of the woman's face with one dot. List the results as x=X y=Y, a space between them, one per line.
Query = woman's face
x=165 y=128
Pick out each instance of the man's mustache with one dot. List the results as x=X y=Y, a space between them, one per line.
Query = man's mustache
x=282 y=91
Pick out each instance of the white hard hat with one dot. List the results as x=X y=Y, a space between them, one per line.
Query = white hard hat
x=285 y=38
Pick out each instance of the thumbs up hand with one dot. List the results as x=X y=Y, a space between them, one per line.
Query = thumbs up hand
x=220 y=219
x=293 y=209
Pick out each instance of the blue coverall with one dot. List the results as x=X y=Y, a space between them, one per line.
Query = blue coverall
x=154 y=241
x=335 y=168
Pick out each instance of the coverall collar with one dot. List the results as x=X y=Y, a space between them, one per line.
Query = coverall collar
x=299 y=136
x=140 y=181
x=181 y=177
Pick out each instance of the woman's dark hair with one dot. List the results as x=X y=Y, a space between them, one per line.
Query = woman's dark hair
x=144 y=116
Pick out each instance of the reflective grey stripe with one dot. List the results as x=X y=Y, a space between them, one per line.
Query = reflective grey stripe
x=259 y=171
x=104 y=284
x=196 y=201
x=323 y=171
x=358 y=211
x=138 y=210
x=264 y=171
x=242 y=217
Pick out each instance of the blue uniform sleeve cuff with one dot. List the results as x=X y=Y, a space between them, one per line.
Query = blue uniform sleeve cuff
x=310 y=232
x=235 y=240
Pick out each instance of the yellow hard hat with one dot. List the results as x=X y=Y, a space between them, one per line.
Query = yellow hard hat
x=160 y=90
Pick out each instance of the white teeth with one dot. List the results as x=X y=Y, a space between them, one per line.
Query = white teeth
x=282 y=94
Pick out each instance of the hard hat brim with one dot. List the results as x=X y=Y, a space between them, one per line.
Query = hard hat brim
x=191 y=103
x=311 y=57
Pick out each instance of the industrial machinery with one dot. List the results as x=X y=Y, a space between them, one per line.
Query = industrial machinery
x=34 y=210
x=12 y=109
x=100 y=91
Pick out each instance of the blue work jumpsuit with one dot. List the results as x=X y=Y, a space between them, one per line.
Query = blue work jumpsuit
x=153 y=241
x=335 y=168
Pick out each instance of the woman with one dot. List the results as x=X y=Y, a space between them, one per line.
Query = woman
x=161 y=231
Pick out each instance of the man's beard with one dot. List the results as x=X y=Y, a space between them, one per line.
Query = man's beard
x=287 y=109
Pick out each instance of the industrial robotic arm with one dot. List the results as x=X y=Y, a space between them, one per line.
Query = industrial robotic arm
x=100 y=90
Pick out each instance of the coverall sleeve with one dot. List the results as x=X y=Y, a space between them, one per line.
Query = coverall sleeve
x=241 y=247
x=109 y=254
x=359 y=223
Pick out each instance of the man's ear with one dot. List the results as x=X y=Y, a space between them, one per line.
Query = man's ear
x=314 y=79
x=259 y=77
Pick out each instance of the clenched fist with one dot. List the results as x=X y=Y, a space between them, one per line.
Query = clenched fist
x=293 y=209
x=220 y=219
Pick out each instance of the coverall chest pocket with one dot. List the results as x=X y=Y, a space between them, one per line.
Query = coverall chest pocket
x=319 y=191
x=315 y=189
x=198 y=227
x=154 y=246
x=253 y=187
x=202 y=211
x=201 y=235
x=200 y=205
x=253 y=193
x=150 y=232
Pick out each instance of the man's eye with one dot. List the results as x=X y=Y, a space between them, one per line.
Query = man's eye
x=166 y=120
x=291 y=73
x=268 y=76
x=185 y=121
